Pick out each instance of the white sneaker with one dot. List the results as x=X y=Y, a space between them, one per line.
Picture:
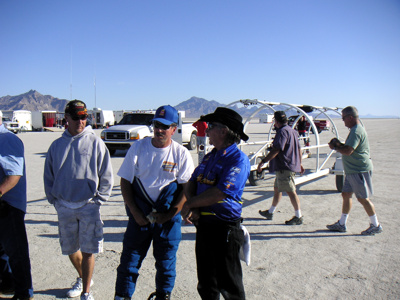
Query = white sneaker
x=77 y=288
x=87 y=296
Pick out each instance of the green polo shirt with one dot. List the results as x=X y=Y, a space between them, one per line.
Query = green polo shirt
x=360 y=160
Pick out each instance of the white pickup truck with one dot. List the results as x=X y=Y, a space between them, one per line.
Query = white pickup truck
x=137 y=125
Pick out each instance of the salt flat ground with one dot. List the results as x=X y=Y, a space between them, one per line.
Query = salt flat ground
x=288 y=262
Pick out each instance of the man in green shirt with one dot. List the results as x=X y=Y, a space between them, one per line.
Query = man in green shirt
x=358 y=172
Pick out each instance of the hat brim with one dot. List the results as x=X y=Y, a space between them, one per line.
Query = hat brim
x=223 y=119
x=162 y=120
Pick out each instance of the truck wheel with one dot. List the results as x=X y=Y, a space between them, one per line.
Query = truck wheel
x=112 y=151
x=256 y=178
x=319 y=129
x=339 y=182
x=193 y=142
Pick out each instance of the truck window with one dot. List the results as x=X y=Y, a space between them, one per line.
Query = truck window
x=136 y=119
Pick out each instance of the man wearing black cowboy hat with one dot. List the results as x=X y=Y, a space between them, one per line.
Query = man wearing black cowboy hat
x=214 y=204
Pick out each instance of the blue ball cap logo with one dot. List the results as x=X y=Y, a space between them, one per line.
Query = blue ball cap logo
x=166 y=114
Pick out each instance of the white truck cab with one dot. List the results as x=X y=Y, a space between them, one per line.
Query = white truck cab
x=137 y=125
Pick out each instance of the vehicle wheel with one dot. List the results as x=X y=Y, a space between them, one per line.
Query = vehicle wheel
x=112 y=151
x=339 y=182
x=256 y=178
x=319 y=129
x=193 y=142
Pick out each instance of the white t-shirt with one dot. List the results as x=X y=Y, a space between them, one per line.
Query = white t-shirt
x=156 y=167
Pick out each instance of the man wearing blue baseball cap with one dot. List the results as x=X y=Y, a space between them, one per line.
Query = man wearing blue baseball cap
x=153 y=174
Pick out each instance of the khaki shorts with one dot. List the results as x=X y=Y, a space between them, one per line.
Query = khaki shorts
x=284 y=181
x=80 y=228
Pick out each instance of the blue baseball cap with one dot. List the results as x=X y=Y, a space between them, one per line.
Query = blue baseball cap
x=166 y=114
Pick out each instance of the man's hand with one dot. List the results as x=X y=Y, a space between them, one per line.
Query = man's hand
x=190 y=216
x=140 y=218
x=302 y=169
x=334 y=143
x=259 y=168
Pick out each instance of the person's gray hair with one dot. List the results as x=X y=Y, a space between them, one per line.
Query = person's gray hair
x=232 y=137
x=350 y=111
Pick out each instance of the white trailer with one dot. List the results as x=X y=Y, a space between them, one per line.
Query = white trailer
x=119 y=114
x=24 y=119
x=44 y=118
x=266 y=118
x=99 y=118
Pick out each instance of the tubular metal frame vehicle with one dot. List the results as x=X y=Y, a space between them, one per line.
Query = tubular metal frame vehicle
x=322 y=155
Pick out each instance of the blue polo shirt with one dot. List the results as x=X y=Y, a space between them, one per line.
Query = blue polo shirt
x=12 y=163
x=228 y=170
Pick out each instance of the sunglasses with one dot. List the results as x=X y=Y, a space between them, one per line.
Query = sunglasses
x=161 y=126
x=344 y=117
x=213 y=125
x=76 y=118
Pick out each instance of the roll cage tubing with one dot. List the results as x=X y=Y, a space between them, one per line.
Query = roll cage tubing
x=300 y=109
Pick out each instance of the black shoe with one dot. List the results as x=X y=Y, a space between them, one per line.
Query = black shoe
x=159 y=296
x=266 y=214
x=295 y=221
x=21 y=298
x=6 y=289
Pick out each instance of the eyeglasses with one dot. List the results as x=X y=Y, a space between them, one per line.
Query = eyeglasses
x=213 y=125
x=344 y=117
x=76 y=118
x=161 y=126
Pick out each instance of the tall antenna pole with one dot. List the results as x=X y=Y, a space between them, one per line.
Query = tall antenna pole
x=95 y=104
x=70 y=79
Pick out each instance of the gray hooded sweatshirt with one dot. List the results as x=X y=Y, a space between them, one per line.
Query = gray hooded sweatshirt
x=78 y=170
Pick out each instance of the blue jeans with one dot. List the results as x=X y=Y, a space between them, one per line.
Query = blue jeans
x=136 y=243
x=14 y=241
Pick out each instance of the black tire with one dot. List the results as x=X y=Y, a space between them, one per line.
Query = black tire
x=256 y=178
x=339 y=182
x=112 y=151
x=193 y=141
x=319 y=129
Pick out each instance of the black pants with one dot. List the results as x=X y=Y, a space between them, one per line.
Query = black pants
x=218 y=264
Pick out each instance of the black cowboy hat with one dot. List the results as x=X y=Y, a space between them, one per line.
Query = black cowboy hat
x=229 y=118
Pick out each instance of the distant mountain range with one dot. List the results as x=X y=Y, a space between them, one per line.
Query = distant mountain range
x=194 y=107
x=32 y=101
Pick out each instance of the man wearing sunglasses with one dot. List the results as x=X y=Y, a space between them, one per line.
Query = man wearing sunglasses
x=357 y=166
x=214 y=205
x=78 y=178
x=153 y=174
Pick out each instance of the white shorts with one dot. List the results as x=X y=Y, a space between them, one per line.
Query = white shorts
x=360 y=184
x=80 y=228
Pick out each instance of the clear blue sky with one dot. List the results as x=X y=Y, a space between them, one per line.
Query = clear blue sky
x=147 y=53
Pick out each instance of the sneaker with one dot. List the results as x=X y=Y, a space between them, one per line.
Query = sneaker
x=21 y=298
x=159 y=296
x=372 y=230
x=266 y=214
x=337 y=227
x=77 y=288
x=87 y=296
x=295 y=221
